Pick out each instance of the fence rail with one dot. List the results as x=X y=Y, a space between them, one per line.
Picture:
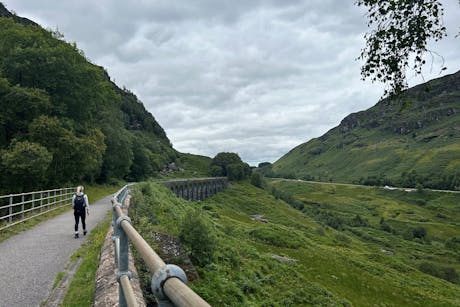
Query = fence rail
x=18 y=208
x=168 y=280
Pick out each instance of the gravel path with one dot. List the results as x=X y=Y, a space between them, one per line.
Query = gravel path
x=30 y=260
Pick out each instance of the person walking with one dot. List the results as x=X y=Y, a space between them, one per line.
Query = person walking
x=80 y=207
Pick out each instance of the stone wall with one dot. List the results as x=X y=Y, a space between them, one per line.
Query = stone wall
x=106 y=293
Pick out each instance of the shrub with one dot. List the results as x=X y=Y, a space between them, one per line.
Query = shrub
x=384 y=226
x=257 y=180
x=419 y=232
x=197 y=235
x=276 y=237
x=331 y=220
x=453 y=243
x=446 y=273
x=358 y=221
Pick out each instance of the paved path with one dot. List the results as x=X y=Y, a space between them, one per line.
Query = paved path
x=30 y=261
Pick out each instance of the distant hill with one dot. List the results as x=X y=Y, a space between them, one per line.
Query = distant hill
x=64 y=121
x=412 y=140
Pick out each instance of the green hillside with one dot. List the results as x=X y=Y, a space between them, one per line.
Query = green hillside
x=414 y=139
x=63 y=120
x=301 y=257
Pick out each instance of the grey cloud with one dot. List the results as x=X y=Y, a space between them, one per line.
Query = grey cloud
x=256 y=77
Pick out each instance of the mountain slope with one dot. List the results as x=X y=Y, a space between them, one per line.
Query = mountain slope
x=63 y=120
x=415 y=139
x=331 y=251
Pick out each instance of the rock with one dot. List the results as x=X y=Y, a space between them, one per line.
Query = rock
x=171 y=251
x=259 y=218
x=284 y=258
x=386 y=252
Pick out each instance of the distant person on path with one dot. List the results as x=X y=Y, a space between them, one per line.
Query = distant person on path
x=80 y=207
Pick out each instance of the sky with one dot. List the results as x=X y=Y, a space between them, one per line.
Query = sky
x=248 y=76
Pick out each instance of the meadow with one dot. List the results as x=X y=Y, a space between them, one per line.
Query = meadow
x=322 y=245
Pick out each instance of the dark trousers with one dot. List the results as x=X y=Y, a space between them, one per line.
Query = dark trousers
x=79 y=215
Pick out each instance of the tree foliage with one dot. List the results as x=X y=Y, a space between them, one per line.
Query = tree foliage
x=66 y=114
x=399 y=29
x=229 y=164
x=24 y=164
x=197 y=234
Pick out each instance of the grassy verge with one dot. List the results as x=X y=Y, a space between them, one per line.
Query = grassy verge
x=94 y=192
x=296 y=258
x=82 y=287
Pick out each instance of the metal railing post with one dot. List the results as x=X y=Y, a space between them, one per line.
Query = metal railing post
x=33 y=203
x=22 y=206
x=11 y=210
x=41 y=202
x=116 y=236
x=123 y=263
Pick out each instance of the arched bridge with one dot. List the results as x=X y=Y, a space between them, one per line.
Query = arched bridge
x=196 y=189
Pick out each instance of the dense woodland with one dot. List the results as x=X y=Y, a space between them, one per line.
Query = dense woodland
x=63 y=121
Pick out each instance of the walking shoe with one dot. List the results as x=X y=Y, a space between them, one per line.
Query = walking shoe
x=84 y=232
x=76 y=236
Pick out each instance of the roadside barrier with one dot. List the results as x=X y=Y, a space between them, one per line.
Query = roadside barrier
x=18 y=208
x=168 y=280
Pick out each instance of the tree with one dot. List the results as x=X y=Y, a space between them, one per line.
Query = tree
x=25 y=165
x=230 y=164
x=197 y=234
x=257 y=180
x=142 y=166
x=119 y=154
x=19 y=106
x=74 y=158
x=400 y=29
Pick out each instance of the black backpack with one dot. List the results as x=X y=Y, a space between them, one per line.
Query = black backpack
x=79 y=203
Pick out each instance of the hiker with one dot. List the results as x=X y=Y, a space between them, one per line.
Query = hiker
x=80 y=207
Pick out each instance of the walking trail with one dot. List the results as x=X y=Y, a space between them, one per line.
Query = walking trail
x=30 y=260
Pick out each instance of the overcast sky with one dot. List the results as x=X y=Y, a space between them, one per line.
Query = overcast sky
x=246 y=76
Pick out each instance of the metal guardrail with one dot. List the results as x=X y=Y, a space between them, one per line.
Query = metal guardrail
x=168 y=280
x=18 y=208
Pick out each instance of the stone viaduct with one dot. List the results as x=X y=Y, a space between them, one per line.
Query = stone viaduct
x=196 y=189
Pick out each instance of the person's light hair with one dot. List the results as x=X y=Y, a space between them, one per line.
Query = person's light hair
x=80 y=189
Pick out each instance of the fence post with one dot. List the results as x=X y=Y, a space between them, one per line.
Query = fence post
x=11 y=209
x=41 y=202
x=22 y=206
x=33 y=203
